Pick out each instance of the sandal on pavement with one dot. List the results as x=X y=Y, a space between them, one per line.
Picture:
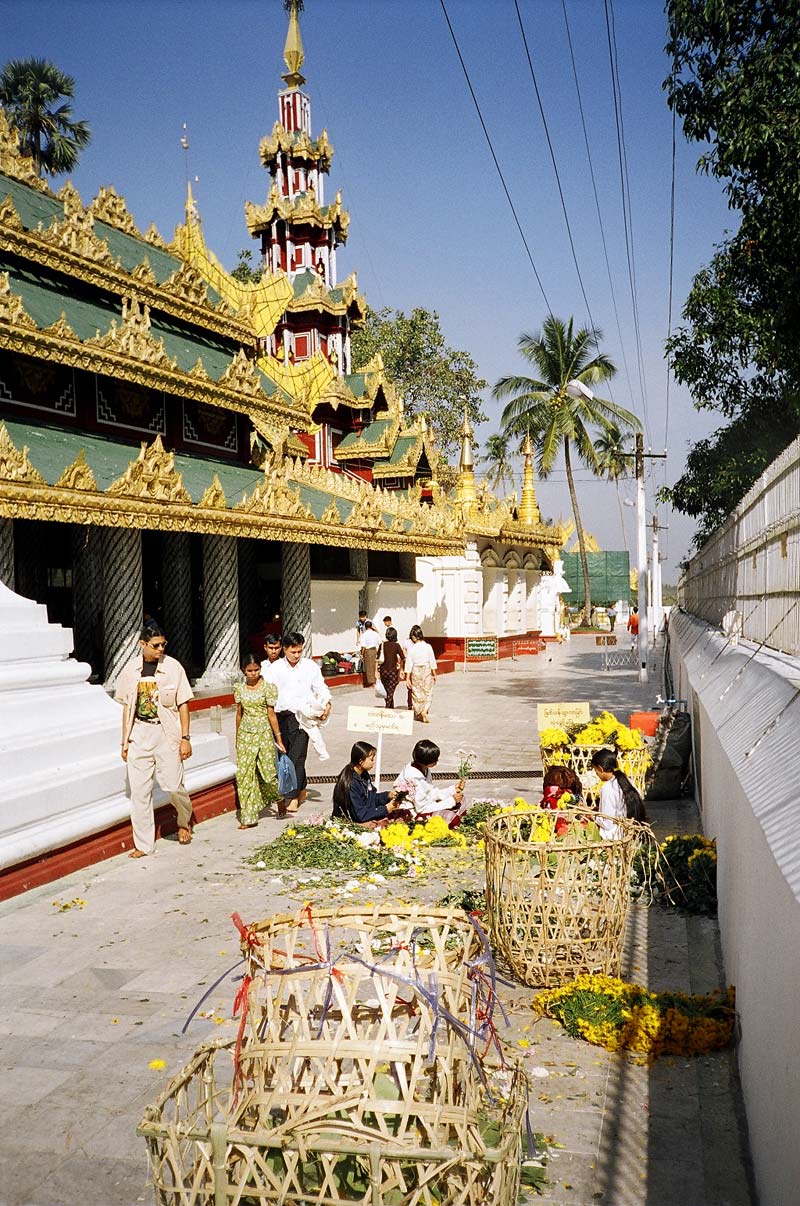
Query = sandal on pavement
x=137 y=854
x=184 y=836
x=253 y=826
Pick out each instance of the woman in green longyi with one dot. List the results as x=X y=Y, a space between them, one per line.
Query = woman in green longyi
x=257 y=735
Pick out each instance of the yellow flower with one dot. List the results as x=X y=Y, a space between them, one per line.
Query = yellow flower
x=157 y=1064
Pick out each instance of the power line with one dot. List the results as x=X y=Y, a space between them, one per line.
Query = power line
x=555 y=164
x=596 y=199
x=622 y=156
x=494 y=156
x=669 y=303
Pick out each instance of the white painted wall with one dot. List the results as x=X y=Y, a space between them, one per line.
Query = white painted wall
x=395 y=598
x=61 y=774
x=450 y=597
x=334 y=614
x=749 y=779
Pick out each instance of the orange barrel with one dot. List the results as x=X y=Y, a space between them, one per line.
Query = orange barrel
x=647 y=722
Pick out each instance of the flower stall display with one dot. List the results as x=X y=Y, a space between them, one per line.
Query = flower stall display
x=618 y=1016
x=575 y=747
x=558 y=892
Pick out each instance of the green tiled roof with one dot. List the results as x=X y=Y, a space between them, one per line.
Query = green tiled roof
x=52 y=449
x=401 y=447
x=356 y=383
x=88 y=311
x=35 y=208
x=301 y=282
x=370 y=435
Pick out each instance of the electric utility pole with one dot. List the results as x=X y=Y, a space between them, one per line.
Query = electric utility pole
x=641 y=552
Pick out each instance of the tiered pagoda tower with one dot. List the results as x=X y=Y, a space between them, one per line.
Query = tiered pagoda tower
x=299 y=233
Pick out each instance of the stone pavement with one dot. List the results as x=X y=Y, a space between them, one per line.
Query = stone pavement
x=91 y=992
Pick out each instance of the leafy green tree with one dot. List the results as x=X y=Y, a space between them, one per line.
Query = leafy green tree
x=433 y=378
x=244 y=272
x=497 y=459
x=614 y=461
x=735 y=84
x=36 y=95
x=557 y=421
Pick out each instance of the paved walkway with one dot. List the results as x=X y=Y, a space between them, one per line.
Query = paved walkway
x=92 y=992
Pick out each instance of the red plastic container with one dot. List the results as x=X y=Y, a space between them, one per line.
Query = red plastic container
x=646 y=722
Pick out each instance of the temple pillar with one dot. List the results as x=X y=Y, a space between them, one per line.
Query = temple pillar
x=122 y=598
x=87 y=594
x=250 y=605
x=296 y=589
x=220 y=610
x=359 y=569
x=176 y=578
x=7 y=553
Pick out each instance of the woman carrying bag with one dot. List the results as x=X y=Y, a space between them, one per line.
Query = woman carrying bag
x=392 y=665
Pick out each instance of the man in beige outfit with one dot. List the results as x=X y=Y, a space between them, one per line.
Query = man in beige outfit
x=154 y=692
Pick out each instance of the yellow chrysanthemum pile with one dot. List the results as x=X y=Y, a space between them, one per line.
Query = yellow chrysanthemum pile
x=399 y=836
x=550 y=738
x=617 y=1016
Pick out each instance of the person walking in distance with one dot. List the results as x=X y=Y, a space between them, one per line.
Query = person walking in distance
x=274 y=651
x=301 y=689
x=612 y=616
x=369 y=644
x=421 y=671
x=392 y=665
x=154 y=692
x=633 y=625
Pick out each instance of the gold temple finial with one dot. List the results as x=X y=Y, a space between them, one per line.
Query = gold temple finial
x=192 y=212
x=466 y=492
x=293 y=53
x=528 y=512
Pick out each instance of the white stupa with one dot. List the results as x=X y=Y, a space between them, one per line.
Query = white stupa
x=61 y=775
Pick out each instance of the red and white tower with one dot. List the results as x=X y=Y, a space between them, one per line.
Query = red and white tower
x=298 y=232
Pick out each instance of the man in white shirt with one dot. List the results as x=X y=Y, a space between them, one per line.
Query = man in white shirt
x=369 y=644
x=301 y=688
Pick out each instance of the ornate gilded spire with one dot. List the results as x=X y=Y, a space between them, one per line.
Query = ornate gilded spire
x=192 y=212
x=528 y=513
x=293 y=53
x=466 y=465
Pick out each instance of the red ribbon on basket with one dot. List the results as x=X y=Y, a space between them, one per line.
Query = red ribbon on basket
x=242 y=1001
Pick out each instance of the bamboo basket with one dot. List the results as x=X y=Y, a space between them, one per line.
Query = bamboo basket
x=633 y=763
x=360 y=1077
x=344 y=974
x=557 y=909
x=439 y=1144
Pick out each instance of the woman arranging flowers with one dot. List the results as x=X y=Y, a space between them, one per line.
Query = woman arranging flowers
x=257 y=735
x=618 y=796
x=354 y=794
x=424 y=796
x=421 y=670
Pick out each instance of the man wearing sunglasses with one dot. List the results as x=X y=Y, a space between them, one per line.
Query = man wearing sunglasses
x=154 y=692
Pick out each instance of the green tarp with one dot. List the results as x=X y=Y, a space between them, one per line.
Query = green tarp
x=609 y=577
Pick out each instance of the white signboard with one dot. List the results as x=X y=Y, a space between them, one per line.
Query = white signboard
x=561 y=715
x=380 y=720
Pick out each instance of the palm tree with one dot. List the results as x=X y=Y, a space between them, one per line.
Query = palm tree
x=615 y=462
x=31 y=90
x=497 y=459
x=560 y=409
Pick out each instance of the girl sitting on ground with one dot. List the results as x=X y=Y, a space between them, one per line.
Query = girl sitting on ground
x=560 y=781
x=426 y=797
x=354 y=794
x=618 y=796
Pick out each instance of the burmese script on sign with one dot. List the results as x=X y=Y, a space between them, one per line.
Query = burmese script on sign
x=380 y=720
x=561 y=715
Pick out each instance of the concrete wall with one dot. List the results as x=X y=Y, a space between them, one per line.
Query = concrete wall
x=746 y=711
x=334 y=614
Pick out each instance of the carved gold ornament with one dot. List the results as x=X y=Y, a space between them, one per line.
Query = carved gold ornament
x=153 y=476
x=14 y=464
x=110 y=208
x=12 y=162
x=214 y=496
x=77 y=476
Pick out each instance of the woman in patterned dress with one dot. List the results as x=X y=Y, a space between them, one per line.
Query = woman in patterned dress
x=257 y=735
x=392 y=662
x=421 y=671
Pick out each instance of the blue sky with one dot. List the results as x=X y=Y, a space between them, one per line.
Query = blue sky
x=430 y=224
